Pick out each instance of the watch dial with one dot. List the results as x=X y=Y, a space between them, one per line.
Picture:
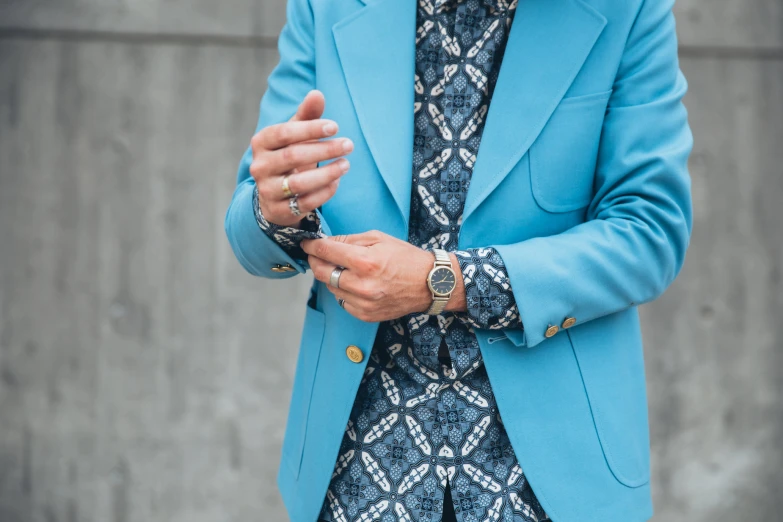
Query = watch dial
x=442 y=281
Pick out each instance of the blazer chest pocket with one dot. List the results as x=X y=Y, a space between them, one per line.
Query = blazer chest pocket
x=299 y=409
x=563 y=157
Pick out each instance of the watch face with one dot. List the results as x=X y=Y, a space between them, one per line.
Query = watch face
x=442 y=281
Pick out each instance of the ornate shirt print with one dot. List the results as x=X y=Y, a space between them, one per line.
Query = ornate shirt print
x=425 y=417
x=289 y=237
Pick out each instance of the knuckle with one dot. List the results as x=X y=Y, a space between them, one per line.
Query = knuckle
x=283 y=133
x=372 y=291
x=288 y=154
x=257 y=140
x=363 y=289
x=366 y=264
x=263 y=193
x=322 y=249
x=260 y=166
x=360 y=264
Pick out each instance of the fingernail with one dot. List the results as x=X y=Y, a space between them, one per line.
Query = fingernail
x=330 y=128
x=343 y=164
x=347 y=145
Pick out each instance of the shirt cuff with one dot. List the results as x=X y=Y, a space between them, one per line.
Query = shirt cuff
x=490 y=301
x=288 y=237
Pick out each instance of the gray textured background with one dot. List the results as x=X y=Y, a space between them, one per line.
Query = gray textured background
x=139 y=380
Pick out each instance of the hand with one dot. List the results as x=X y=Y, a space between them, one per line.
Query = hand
x=295 y=147
x=384 y=277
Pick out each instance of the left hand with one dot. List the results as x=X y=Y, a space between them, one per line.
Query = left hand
x=384 y=277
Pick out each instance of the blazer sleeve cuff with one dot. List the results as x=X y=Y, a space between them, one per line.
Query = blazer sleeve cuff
x=258 y=253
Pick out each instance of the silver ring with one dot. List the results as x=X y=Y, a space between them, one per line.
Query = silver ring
x=341 y=302
x=293 y=204
x=334 y=278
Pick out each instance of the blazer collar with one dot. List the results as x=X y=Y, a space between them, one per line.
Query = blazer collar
x=547 y=45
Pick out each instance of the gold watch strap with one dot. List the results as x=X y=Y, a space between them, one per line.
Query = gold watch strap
x=439 y=302
x=441 y=257
x=437 y=306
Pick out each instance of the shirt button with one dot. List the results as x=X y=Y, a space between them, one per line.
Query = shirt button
x=354 y=353
x=569 y=322
x=551 y=331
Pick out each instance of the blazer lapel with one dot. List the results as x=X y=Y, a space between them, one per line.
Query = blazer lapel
x=548 y=42
x=376 y=46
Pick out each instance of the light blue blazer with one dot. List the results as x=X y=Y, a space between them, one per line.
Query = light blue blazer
x=581 y=185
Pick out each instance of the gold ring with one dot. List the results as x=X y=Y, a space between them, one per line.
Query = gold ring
x=286 y=190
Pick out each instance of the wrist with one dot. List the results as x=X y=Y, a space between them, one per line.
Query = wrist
x=457 y=301
x=423 y=298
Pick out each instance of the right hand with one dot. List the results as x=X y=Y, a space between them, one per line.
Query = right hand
x=295 y=147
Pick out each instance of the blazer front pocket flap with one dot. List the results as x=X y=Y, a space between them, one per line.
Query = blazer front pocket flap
x=563 y=157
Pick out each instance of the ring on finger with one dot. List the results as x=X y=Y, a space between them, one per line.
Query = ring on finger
x=293 y=204
x=286 y=189
x=334 y=278
x=341 y=302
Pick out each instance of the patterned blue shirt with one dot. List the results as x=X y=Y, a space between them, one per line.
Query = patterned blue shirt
x=424 y=418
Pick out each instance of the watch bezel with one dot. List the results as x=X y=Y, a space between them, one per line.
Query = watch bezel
x=429 y=280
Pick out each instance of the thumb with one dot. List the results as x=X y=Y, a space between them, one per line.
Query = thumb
x=311 y=107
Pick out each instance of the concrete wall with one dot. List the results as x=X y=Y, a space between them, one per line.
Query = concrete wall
x=129 y=390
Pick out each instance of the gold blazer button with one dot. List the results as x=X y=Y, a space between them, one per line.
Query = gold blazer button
x=569 y=322
x=354 y=353
x=551 y=331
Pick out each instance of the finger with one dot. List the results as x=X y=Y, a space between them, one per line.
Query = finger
x=299 y=154
x=280 y=209
x=356 y=311
x=349 y=256
x=315 y=179
x=311 y=107
x=315 y=199
x=352 y=304
x=287 y=133
x=322 y=271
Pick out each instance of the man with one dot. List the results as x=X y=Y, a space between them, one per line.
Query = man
x=471 y=347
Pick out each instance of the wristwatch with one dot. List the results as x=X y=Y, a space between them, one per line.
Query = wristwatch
x=442 y=280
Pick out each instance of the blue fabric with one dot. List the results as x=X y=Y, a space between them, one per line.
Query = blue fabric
x=580 y=185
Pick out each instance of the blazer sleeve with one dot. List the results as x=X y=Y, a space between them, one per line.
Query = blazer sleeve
x=639 y=222
x=291 y=79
